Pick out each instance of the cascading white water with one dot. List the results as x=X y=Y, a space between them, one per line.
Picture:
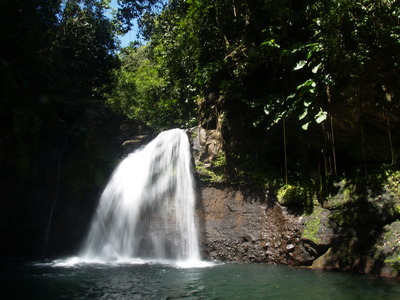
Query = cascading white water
x=147 y=209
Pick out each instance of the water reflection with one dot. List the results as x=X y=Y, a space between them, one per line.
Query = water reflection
x=164 y=281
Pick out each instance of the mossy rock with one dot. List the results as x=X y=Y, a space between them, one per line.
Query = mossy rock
x=213 y=172
x=292 y=194
x=393 y=185
x=208 y=173
x=388 y=246
x=375 y=201
x=318 y=228
x=343 y=195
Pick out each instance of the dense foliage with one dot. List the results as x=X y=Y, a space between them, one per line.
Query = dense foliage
x=142 y=92
x=56 y=63
x=318 y=79
x=303 y=91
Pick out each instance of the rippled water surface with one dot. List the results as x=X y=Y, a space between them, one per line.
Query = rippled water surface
x=45 y=280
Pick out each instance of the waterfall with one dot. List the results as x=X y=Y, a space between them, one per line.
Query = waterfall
x=147 y=209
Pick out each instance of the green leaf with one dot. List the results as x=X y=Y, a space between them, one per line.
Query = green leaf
x=267 y=109
x=291 y=96
x=300 y=65
x=305 y=126
x=304 y=114
x=271 y=43
x=316 y=68
x=306 y=83
x=321 y=116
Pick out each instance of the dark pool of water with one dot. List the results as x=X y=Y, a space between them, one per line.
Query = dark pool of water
x=159 y=281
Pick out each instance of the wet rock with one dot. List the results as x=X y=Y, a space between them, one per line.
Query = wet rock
x=290 y=247
x=260 y=230
x=327 y=261
x=234 y=229
x=206 y=144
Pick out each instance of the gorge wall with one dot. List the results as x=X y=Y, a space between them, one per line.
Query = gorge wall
x=243 y=224
x=354 y=229
x=243 y=227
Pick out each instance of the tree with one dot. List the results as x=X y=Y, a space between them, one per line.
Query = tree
x=141 y=93
x=55 y=63
x=267 y=66
x=84 y=48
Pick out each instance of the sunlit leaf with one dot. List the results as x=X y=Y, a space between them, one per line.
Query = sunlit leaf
x=307 y=83
x=270 y=43
x=321 y=116
x=305 y=126
x=291 y=96
x=304 y=114
x=300 y=65
x=316 y=68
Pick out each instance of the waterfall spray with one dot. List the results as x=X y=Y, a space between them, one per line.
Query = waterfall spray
x=147 y=209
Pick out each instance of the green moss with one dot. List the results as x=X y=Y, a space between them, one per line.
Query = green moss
x=397 y=210
x=339 y=218
x=207 y=173
x=393 y=184
x=342 y=193
x=214 y=172
x=193 y=134
x=387 y=248
x=349 y=191
x=220 y=160
x=366 y=200
x=313 y=225
x=291 y=194
x=394 y=263
x=311 y=230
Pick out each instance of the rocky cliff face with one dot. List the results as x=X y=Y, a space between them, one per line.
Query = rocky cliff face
x=241 y=224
